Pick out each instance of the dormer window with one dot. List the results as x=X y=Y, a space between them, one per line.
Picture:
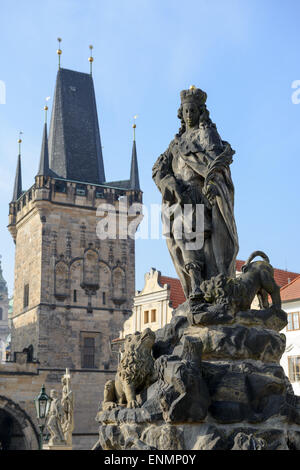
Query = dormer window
x=60 y=187
x=80 y=190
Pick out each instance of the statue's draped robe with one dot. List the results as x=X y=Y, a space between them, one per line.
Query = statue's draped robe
x=198 y=150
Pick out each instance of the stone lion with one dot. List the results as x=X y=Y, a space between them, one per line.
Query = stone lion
x=257 y=278
x=135 y=371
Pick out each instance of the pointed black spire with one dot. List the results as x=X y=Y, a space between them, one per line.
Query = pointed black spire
x=44 y=159
x=75 y=151
x=18 y=181
x=134 y=171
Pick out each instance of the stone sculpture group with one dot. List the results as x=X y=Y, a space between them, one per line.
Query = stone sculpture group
x=60 y=422
x=211 y=378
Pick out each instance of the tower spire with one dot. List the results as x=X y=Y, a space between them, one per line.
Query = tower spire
x=18 y=178
x=134 y=171
x=44 y=158
x=75 y=151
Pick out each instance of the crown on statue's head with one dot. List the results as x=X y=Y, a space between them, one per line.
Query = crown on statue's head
x=193 y=95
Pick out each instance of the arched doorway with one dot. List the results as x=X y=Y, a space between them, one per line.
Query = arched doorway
x=17 y=431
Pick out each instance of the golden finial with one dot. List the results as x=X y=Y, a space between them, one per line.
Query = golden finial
x=59 y=51
x=134 y=126
x=20 y=141
x=46 y=108
x=192 y=87
x=91 y=59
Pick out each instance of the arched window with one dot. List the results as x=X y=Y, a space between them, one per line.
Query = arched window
x=75 y=281
x=119 y=290
x=90 y=270
x=105 y=283
x=61 y=280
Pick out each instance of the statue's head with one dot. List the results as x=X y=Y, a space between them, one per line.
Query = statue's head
x=53 y=393
x=109 y=385
x=192 y=109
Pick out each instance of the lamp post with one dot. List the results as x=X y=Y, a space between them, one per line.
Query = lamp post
x=42 y=405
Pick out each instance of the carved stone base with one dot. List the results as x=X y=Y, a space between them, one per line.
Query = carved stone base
x=205 y=436
x=219 y=386
x=56 y=447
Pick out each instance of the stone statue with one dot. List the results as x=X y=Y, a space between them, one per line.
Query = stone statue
x=218 y=383
x=195 y=170
x=135 y=371
x=54 y=421
x=67 y=402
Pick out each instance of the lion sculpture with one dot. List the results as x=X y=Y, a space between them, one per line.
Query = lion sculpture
x=135 y=371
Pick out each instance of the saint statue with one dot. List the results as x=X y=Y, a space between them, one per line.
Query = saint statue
x=54 y=421
x=194 y=170
x=67 y=402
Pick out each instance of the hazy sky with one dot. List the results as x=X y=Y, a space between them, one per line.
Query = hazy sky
x=244 y=53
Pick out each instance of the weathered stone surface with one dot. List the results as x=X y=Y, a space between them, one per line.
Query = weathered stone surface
x=239 y=342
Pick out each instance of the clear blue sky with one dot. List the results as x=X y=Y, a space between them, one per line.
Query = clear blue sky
x=244 y=53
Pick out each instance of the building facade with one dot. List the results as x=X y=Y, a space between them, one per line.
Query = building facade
x=290 y=361
x=153 y=306
x=73 y=286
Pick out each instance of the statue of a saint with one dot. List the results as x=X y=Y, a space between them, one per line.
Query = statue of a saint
x=54 y=422
x=195 y=170
x=67 y=402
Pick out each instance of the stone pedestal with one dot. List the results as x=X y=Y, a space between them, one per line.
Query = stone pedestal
x=218 y=385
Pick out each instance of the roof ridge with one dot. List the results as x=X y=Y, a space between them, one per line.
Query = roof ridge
x=290 y=283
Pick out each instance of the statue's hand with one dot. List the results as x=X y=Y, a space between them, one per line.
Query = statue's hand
x=172 y=192
x=211 y=191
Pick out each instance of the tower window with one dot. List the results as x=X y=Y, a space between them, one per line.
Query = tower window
x=26 y=296
x=74 y=295
x=1 y=314
x=146 y=316
x=60 y=187
x=103 y=298
x=88 y=353
x=80 y=190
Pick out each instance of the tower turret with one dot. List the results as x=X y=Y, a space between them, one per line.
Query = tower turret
x=44 y=158
x=18 y=178
x=134 y=171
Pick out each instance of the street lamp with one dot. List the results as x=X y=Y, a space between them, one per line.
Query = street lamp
x=42 y=404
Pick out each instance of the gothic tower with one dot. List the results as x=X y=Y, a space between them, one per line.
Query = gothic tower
x=72 y=290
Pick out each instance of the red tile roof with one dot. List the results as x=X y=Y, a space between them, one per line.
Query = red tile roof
x=291 y=291
x=177 y=296
x=282 y=278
